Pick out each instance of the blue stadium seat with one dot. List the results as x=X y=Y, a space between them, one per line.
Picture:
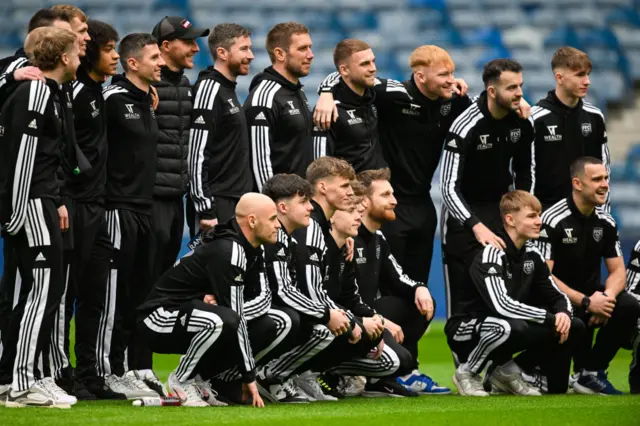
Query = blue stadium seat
x=432 y=4
x=506 y=17
x=469 y=18
x=490 y=37
x=546 y=17
x=610 y=84
x=597 y=37
x=349 y=20
x=604 y=58
x=563 y=36
x=490 y=54
x=625 y=15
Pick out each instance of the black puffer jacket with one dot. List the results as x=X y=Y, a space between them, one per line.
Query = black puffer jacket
x=174 y=117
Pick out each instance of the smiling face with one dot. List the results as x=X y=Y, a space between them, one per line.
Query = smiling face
x=380 y=202
x=297 y=209
x=360 y=68
x=593 y=184
x=107 y=64
x=437 y=80
x=526 y=221
x=347 y=222
x=81 y=29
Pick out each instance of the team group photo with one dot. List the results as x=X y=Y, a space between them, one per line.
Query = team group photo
x=300 y=213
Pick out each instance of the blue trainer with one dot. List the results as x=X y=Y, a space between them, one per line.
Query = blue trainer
x=595 y=384
x=422 y=384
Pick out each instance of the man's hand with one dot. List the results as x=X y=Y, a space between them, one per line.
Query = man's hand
x=524 y=110
x=377 y=351
x=350 y=245
x=206 y=224
x=373 y=327
x=424 y=302
x=210 y=299
x=28 y=73
x=597 y=320
x=250 y=391
x=461 y=87
x=155 y=99
x=63 y=214
x=485 y=236
x=601 y=305
x=325 y=112
x=563 y=325
x=356 y=334
x=395 y=330
x=338 y=322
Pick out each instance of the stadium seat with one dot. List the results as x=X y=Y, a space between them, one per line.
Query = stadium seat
x=349 y=20
x=563 y=36
x=624 y=15
x=523 y=37
x=490 y=37
x=469 y=18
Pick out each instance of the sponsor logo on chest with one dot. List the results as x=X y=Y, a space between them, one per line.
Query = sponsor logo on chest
x=353 y=118
x=131 y=114
x=484 y=143
x=552 y=136
x=292 y=109
x=569 y=238
x=413 y=110
x=234 y=108
x=360 y=259
x=94 y=111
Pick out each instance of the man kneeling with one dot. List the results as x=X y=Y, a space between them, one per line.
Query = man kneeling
x=512 y=305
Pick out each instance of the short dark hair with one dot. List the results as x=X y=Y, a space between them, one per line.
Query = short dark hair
x=325 y=167
x=578 y=165
x=284 y=186
x=347 y=47
x=132 y=44
x=367 y=177
x=280 y=36
x=101 y=33
x=225 y=35
x=45 y=18
x=494 y=69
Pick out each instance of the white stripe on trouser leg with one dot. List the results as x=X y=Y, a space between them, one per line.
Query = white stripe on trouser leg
x=493 y=333
x=23 y=369
x=444 y=216
x=284 y=366
x=283 y=327
x=386 y=365
x=208 y=327
x=57 y=356
x=16 y=297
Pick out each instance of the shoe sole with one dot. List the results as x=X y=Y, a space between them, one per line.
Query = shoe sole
x=14 y=404
x=506 y=389
x=378 y=394
x=434 y=393
x=266 y=394
x=455 y=382
x=583 y=390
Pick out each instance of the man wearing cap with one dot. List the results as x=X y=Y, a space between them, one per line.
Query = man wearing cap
x=177 y=42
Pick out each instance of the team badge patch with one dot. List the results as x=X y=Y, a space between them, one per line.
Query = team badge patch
x=445 y=109
x=515 y=135
x=185 y=24
x=586 y=129
x=528 y=267
x=597 y=234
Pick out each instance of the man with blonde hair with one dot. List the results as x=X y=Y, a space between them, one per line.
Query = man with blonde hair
x=33 y=218
x=567 y=127
x=413 y=119
x=511 y=305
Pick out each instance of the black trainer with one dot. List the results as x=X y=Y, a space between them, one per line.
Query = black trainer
x=98 y=387
x=387 y=387
x=329 y=385
x=75 y=387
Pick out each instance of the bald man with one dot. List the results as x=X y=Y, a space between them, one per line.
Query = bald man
x=212 y=335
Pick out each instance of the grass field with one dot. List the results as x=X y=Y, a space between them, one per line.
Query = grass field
x=435 y=360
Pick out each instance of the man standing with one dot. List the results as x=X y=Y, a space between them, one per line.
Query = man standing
x=576 y=236
x=33 y=217
x=406 y=304
x=483 y=154
x=512 y=305
x=219 y=148
x=132 y=139
x=354 y=135
x=566 y=127
x=89 y=261
x=177 y=43
x=414 y=117
x=633 y=287
x=278 y=115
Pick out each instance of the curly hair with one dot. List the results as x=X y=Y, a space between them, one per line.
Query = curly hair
x=101 y=34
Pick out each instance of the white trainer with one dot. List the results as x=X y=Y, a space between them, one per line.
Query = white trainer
x=36 y=396
x=151 y=380
x=207 y=393
x=308 y=383
x=187 y=391
x=512 y=383
x=138 y=388
x=352 y=385
x=468 y=383
x=59 y=395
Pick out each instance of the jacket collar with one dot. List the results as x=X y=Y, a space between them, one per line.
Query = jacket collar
x=318 y=215
x=219 y=77
x=248 y=248
x=349 y=97
x=575 y=212
x=173 y=77
x=83 y=76
x=553 y=103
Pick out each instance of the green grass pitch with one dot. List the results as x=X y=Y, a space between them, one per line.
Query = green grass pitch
x=427 y=410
